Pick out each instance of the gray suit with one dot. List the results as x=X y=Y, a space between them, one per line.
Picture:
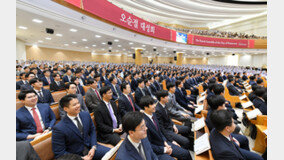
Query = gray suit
x=24 y=151
x=175 y=110
x=92 y=100
x=82 y=104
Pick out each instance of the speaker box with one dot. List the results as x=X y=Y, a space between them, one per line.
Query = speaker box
x=154 y=49
x=175 y=58
x=109 y=43
x=208 y=53
x=175 y=51
x=49 y=30
x=133 y=56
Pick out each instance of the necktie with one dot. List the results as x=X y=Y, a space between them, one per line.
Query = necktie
x=155 y=123
x=37 y=121
x=140 y=152
x=79 y=125
x=40 y=95
x=78 y=90
x=98 y=94
x=48 y=80
x=142 y=92
x=233 y=140
x=58 y=84
x=114 y=122
x=131 y=103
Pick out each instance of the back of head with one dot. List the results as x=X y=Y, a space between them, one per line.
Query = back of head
x=170 y=85
x=259 y=81
x=259 y=91
x=221 y=119
x=215 y=101
x=161 y=94
x=218 y=89
x=104 y=90
x=131 y=120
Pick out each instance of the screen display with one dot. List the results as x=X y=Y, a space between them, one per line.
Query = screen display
x=181 y=37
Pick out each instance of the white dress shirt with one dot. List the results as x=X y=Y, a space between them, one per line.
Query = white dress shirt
x=136 y=145
x=38 y=113
x=74 y=121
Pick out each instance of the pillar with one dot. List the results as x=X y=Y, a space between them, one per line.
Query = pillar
x=138 y=57
x=179 y=59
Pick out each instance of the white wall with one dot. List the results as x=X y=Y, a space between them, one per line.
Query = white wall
x=254 y=60
x=20 y=50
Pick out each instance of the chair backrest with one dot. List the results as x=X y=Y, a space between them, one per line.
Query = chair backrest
x=17 y=93
x=43 y=147
x=111 y=155
x=58 y=95
x=86 y=88
x=46 y=87
x=204 y=113
x=55 y=109
x=19 y=104
x=164 y=84
x=188 y=92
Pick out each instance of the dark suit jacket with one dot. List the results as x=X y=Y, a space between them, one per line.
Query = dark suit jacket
x=252 y=96
x=92 y=100
x=222 y=148
x=104 y=121
x=158 y=86
x=134 y=84
x=155 y=137
x=138 y=95
x=125 y=106
x=26 y=86
x=205 y=86
x=82 y=105
x=19 y=83
x=25 y=123
x=66 y=137
x=65 y=79
x=181 y=98
x=47 y=97
x=261 y=105
x=165 y=121
x=129 y=152
x=80 y=90
x=233 y=90
x=153 y=89
x=244 y=77
x=115 y=94
x=54 y=87
x=252 y=83
x=45 y=82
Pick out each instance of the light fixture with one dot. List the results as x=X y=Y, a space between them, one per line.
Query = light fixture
x=40 y=41
x=116 y=40
x=86 y=47
x=23 y=27
x=94 y=45
x=85 y=40
x=118 y=45
x=143 y=45
x=48 y=38
x=103 y=43
x=130 y=43
x=59 y=35
x=66 y=44
x=34 y=45
x=37 y=20
x=103 y=49
x=98 y=36
x=74 y=42
x=73 y=30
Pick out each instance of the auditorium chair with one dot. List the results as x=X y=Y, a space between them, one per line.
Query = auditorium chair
x=19 y=104
x=55 y=109
x=17 y=93
x=188 y=92
x=86 y=88
x=58 y=95
x=164 y=84
x=200 y=89
x=204 y=113
x=46 y=87
x=233 y=99
x=43 y=147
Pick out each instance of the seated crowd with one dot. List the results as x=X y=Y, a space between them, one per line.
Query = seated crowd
x=130 y=103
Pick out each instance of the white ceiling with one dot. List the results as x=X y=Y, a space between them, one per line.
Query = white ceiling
x=191 y=13
x=62 y=19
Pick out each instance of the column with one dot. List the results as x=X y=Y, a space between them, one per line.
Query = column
x=179 y=59
x=138 y=57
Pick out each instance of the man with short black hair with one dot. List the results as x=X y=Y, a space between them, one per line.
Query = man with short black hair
x=223 y=145
x=259 y=102
x=160 y=145
x=76 y=133
x=27 y=86
x=181 y=97
x=46 y=79
x=136 y=145
x=93 y=97
x=56 y=85
x=139 y=92
x=115 y=88
x=22 y=81
x=68 y=76
x=33 y=119
x=232 y=89
x=44 y=95
x=108 y=119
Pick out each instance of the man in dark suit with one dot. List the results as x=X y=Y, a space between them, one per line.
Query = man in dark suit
x=80 y=89
x=126 y=101
x=71 y=88
x=160 y=145
x=27 y=86
x=259 y=101
x=181 y=97
x=44 y=95
x=139 y=92
x=223 y=145
x=134 y=83
x=157 y=83
x=33 y=120
x=68 y=76
x=172 y=132
x=152 y=86
x=108 y=119
x=46 y=79
x=115 y=88
x=252 y=80
x=97 y=78
x=56 y=85
x=244 y=77
x=22 y=81
x=232 y=89
x=93 y=97
x=76 y=132
x=136 y=145
x=35 y=71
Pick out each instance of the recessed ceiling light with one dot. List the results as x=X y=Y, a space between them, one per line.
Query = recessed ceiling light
x=130 y=43
x=154 y=47
x=116 y=40
x=118 y=45
x=59 y=35
x=109 y=47
x=84 y=40
x=48 y=38
x=40 y=41
x=94 y=45
x=116 y=50
x=143 y=45
x=165 y=48
x=34 y=45
x=103 y=49
x=74 y=42
x=124 y=49
x=66 y=44
x=98 y=36
x=103 y=43
x=86 y=47
x=23 y=27
x=37 y=20
x=73 y=30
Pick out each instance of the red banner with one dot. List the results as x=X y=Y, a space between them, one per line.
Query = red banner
x=220 y=42
x=76 y=3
